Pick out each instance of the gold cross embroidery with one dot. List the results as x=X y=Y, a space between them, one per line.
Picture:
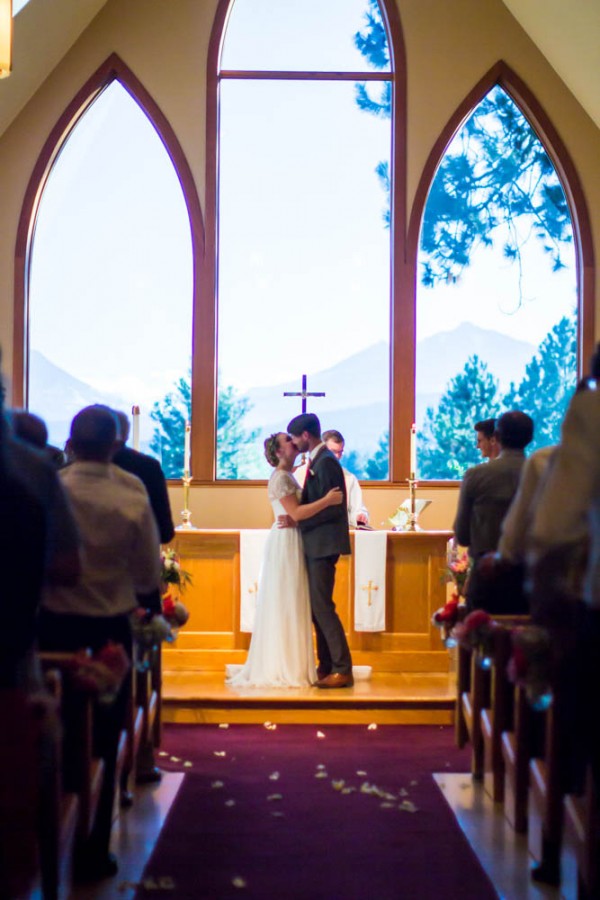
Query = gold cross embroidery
x=370 y=587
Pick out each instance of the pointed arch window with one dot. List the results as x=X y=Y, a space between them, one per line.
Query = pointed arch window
x=497 y=289
x=304 y=251
x=110 y=277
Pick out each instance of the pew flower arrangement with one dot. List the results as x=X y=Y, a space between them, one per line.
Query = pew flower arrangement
x=150 y=629
x=447 y=616
x=103 y=672
x=530 y=665
x=476 y=632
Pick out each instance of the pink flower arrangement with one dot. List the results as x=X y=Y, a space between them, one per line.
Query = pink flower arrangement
x=103 y=673
x=530 y=665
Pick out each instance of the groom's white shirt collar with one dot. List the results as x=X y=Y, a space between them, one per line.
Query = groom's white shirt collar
x=315 y=450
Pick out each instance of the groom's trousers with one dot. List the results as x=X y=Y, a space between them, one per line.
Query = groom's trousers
x=332 y=647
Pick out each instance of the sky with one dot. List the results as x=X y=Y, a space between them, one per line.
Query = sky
x=304 y=261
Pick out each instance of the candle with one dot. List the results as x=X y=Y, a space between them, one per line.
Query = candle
x=135 y=427
x=187 y=450
x=413 y=451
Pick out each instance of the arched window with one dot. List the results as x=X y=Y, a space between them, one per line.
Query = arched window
x=303 y=257
x=110 y=275
x=498 y=300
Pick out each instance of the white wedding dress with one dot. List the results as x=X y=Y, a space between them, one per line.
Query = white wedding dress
x=281 y=650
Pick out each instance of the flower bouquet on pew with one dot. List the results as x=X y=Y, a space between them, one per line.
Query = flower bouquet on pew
x=149 y=628
x=530 y=665
x=476 y=632
x=101 y=673
x=175 y=581
x=456 y=573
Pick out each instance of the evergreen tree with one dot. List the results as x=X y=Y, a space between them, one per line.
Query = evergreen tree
x=548 y=384
x=171 y=414
x=378 y=466
x=447 y=446
x=235 y=444
x=494 y=175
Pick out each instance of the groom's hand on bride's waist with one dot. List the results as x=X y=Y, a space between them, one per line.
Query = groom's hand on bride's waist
x=285 y=522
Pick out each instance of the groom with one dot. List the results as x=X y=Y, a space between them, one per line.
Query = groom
x=325 y=537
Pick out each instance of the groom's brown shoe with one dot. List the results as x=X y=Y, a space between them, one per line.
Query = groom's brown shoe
x=336 y=680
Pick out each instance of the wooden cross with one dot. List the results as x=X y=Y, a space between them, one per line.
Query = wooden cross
x=304 y=393
x=370 y=587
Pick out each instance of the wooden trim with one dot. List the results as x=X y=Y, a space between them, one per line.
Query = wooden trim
x=401 y=304
x=113 y=69
x=504 y=76
x=283 y=75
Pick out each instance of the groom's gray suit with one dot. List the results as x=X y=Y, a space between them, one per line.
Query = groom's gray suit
x=325 y=536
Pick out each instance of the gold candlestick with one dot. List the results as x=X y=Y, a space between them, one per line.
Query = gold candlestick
x=413 y=515
x=186 y=514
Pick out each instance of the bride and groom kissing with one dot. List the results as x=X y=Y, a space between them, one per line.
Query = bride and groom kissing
x=309 y=533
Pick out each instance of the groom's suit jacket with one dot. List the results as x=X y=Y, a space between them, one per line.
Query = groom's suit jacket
x=326 y=533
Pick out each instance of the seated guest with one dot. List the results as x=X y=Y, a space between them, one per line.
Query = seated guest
x=516 y=527
x=120 y=560
x=31 y=429
x=149 y=471
x=23 y=534
x=486 y=493
x=34 y=470
x=357 y=512
x=151 y=475
x=486 y=438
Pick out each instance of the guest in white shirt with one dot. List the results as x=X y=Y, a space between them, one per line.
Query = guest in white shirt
x=357 y=511
x=120 y=558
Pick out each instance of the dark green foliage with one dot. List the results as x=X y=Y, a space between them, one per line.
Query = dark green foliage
x=378 y=466
x=446 y=446
x=168 y=439
x=548 y=384
x=234 y=442
x=495 y=182
x=447 y=443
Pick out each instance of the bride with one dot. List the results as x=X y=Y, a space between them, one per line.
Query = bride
x=281 y=650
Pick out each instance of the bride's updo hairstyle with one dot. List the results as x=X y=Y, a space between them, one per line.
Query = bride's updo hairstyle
x=271 y=448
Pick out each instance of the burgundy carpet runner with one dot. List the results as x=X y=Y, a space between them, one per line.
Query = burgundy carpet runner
x=305 y=812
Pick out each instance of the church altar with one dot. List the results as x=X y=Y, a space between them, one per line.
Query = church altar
x=415 y=588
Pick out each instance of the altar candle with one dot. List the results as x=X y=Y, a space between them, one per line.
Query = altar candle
x=186 y=449
x=135 y=427
x=413 y=451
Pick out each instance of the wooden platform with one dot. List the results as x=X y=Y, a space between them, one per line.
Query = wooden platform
x=388 y=698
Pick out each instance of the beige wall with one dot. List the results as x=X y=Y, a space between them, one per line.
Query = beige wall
x=449 y=47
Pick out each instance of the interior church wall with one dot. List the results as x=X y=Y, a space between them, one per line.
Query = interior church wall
x=449 y=48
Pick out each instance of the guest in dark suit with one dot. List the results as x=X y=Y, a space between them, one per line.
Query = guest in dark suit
x=486 y=493
x=149 y=472
x=325 y=536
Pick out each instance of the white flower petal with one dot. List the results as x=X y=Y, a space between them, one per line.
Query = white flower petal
x=372 y=727
x=321 y=774
x=217 y=784
x=274 y=776
x=275 y=797
x=239 y=882
x=219 y=753
x=320 y=734
x=223 y=725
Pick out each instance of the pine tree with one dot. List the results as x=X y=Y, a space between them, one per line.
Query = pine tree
x=378 y=466
x=446 y=446
x=548 y=384
x=236 y=446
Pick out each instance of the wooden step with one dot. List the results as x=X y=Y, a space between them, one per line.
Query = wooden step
x=422 y=698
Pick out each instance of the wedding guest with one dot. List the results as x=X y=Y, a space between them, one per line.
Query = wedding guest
x=32 y=429
x=150 y=473
x=487 y=443
x=485 y=495
x=121 y=559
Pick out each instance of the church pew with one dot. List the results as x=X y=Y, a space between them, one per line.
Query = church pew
x=545 y=806
x=20 y=779
x=82 y=773
x=473 y=693
x=519 y=746
x=498 y=716
x=149 y=690
x=580 y=856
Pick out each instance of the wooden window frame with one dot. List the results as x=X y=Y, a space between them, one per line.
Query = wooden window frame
x=404 y=237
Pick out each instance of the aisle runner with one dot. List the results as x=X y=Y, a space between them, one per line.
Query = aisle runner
x=307 y=812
